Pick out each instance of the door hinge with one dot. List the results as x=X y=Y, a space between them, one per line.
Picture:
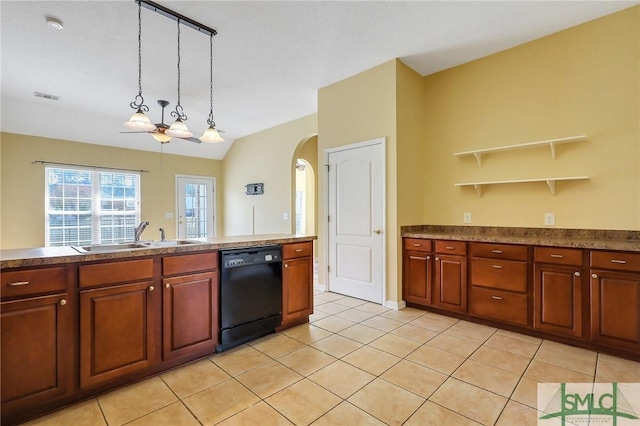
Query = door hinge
x=328 y=218
x=328 y=268
x=327 y=166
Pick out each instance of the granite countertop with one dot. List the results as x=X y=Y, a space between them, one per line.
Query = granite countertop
x=15 y=258
x=557 y=237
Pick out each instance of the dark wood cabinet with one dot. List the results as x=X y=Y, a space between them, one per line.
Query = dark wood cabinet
x=119 y=320
x=418 y=271
x=450 y=290
x=615 y=300
x=37 y=340
x=558 y=291
x=190 y=314
x=117 y=331
x=297 y=283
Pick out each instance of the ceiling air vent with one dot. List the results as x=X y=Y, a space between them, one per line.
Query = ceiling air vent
x=46 y=96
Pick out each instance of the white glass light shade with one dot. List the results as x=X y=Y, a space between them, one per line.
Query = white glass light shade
x=161 y=137
x=139 y=121
x=211 y=135
x=178 y=130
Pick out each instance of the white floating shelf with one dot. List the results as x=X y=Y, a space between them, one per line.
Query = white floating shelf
x=551 y=143
x=551 y=183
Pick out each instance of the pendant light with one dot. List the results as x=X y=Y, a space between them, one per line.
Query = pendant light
x=178 y=129
x=211 y=135
x=139 y=120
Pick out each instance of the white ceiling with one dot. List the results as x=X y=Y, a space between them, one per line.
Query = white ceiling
x=270 y=58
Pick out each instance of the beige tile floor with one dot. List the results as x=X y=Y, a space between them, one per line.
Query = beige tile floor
x=357 y=363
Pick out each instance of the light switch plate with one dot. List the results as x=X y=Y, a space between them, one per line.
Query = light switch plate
x=168 y=215
x=467 y=217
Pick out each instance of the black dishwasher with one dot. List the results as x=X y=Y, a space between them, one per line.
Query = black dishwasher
x=250 y=294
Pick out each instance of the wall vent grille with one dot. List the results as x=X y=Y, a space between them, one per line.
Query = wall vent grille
x=46 y=96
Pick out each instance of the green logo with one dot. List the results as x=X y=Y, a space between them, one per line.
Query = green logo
x=588 y=401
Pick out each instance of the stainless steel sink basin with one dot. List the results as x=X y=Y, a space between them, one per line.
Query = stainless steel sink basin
x=101 y=248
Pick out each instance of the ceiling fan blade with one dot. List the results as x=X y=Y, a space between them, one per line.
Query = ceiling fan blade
x=196 y=140
x=154 y=131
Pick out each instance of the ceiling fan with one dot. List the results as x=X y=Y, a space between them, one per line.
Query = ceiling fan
x=159 y=133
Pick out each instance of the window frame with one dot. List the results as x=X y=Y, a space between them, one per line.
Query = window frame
x=97 y=214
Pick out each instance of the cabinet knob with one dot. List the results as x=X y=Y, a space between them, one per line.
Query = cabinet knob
x=63 y=302
x=437 y=258
x=286 y=265
x=167 y=285
x=594 y=275
x=428 y=257
x=577 y=274
x=151 y=288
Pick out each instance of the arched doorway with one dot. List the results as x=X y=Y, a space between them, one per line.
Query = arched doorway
x=305 y=187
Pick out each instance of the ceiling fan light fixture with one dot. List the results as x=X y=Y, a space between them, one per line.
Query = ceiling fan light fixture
x=211 y=135
x=178 y=130
x=140 y=121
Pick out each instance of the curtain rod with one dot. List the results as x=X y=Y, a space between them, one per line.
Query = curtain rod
x=89 y=166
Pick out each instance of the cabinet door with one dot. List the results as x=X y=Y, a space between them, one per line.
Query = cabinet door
x=557 y=300
x=190 y=314
x=297 y=289
x=451 y=283
x=417 y=277
x=37 y=351
x=615 y=309
x=117 y=331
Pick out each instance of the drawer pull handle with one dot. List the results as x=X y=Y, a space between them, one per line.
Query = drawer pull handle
x=496 y=251
x=450 y=248
x=417 y=245
x=419 y=258
x=18 y=283
x=63 y=302
x=557 y=256
x=298 y=250
x=621 y=262
x=496 y=297
x=497 y=266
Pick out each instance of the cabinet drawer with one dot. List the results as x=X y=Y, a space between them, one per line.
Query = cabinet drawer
x=500 y=274
x=451 y=247
x=34 y=281
x=115 y=272
x=558 y=256
x=499 y=305
x=291 y=251
x=188 y=263
x=499 y=251
x=417 y=244
x=619 y=261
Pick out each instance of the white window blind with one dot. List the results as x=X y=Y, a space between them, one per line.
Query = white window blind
x=90 y=206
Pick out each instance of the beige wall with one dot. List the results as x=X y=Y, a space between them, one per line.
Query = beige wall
x=360 y=108
x=23 y=183
x=584 y=80
x=265 y=157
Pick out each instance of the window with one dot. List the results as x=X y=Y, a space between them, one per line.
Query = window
x=90 y=206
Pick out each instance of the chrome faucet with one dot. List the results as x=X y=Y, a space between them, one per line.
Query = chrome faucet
x=161 y=234
x=140 y=229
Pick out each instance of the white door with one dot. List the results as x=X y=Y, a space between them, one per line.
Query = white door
x=196 y=207
x=356 y=217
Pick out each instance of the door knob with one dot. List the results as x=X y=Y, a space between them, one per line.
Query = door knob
x=377 y=231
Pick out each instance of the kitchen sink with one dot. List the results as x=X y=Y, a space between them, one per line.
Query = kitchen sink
x=101 y=248
x=169 y=243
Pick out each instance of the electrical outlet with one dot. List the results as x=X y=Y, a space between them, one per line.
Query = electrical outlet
x=285 y=215
x=549 y=219
x=467 y=217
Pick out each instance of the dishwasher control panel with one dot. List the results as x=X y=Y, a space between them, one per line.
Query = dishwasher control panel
x=249 y=256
